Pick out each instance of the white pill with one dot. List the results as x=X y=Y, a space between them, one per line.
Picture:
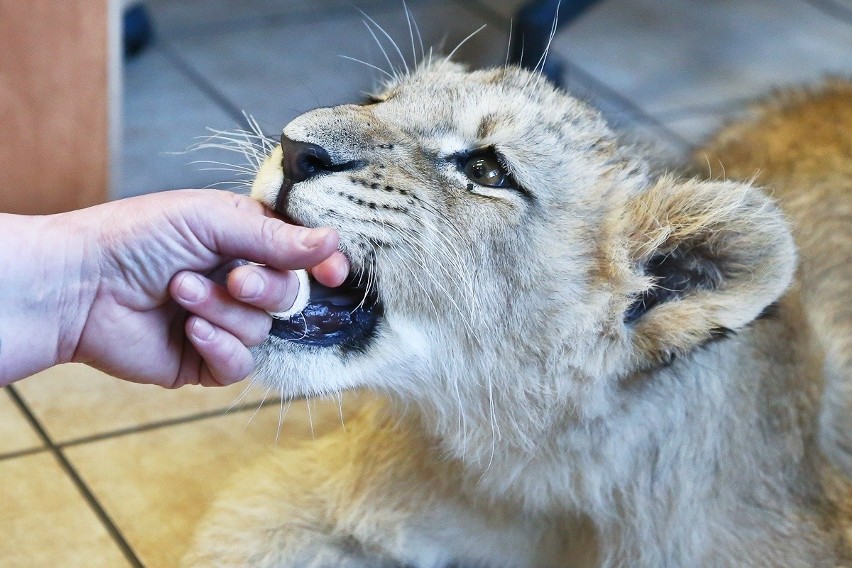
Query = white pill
x=302 y=297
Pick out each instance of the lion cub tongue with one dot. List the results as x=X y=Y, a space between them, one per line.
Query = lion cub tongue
x=302 y=297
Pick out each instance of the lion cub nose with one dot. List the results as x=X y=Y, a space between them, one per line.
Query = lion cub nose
x=303 y=160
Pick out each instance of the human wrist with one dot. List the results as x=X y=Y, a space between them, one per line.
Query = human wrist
x=45 y=291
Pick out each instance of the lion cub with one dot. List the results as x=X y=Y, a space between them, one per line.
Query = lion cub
x=576 y=361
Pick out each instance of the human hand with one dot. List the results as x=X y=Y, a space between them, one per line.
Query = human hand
x=148 y=305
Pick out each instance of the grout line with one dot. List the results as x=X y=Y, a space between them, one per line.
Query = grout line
x=84 y=490
x=204 y=85
x=224 y=102
x=832 y=8
x=22 y=453
x=165 y=423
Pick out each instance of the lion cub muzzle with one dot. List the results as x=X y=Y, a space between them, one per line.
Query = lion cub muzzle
x=301 y=161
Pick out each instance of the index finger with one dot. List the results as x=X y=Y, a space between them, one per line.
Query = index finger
x=252 y=235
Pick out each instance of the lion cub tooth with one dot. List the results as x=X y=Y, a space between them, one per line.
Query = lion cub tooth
x=302 y=297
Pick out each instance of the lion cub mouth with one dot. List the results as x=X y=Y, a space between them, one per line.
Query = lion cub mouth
x=346 y=316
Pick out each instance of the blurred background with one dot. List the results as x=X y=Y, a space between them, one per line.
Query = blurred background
x=668 y=71
x=98 y=472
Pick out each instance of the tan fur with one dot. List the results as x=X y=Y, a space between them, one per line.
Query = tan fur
x=799 y=146
x=526 y=413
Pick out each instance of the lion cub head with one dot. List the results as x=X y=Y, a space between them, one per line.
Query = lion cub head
x=511 y=260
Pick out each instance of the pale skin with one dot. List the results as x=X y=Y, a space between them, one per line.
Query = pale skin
x=149 y=289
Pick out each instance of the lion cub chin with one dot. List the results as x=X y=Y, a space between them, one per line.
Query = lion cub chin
x=572 y=360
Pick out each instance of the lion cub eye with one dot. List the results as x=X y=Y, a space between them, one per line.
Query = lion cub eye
x=486 y=169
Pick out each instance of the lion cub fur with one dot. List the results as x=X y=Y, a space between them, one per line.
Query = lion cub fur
x=614 y=367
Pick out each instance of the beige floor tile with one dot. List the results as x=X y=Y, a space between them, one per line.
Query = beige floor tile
x=15 y=432
x=45 y=520
x=156 y=485
x=74 y=401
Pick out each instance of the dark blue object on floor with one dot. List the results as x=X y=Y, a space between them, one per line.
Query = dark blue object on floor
x=532 y=30
x=137 y=30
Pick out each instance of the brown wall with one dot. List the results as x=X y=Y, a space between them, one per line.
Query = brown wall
x=54 y=104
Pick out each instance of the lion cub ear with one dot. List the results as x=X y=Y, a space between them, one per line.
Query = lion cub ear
x=710 y=256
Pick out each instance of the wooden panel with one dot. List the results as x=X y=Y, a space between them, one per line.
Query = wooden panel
x=54 y=104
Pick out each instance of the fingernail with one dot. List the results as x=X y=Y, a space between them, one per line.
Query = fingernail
x=252 y=287
x=342 y=270
x=312 y=238
x=202 y=329
x=293 y=287
x=191 y=288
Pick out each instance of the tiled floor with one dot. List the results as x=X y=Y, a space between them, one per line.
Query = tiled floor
x=97 y=472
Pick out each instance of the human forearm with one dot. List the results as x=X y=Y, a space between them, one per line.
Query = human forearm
x=42 y=292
